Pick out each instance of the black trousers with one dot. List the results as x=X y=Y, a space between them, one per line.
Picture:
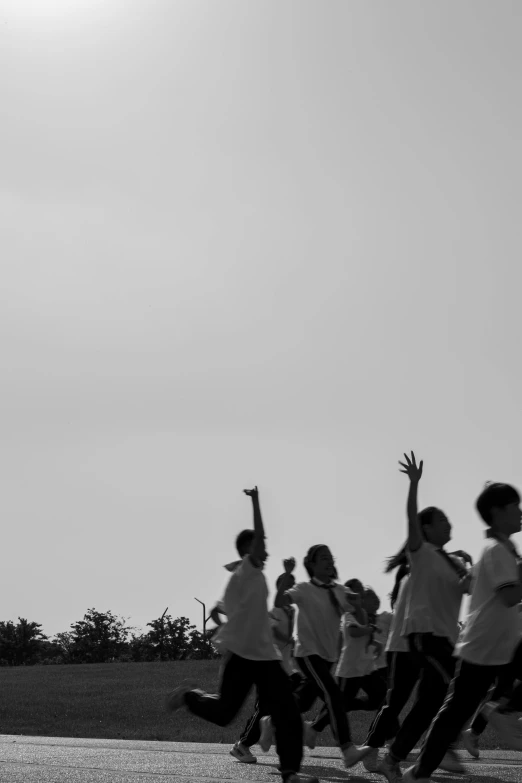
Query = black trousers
x=403 y=673
x=372 y=684
x=436 y=665
x=252 y=730
x=467 y=690
x=239 y=675
x=504 y=688
x=319 y=683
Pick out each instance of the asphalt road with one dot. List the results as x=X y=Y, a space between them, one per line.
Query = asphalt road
x=58 y=760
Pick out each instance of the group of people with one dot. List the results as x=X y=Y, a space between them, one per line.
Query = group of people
x=344 y=646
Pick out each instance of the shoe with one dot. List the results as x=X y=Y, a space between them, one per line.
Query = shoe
x=243 y=754
x=265 y=740
x=452 y=763
x=471 y=742
x=352 y=754
x=371 y=760
x=408 y=777
x=176 y=698
x=309 y=735
x=509 y=728
x=297 y=779
x=390 y=769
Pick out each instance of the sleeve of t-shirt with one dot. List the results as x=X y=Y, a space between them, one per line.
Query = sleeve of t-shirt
x=501 y=567
x=349 y=619
x=418 y=555
x=296 y=593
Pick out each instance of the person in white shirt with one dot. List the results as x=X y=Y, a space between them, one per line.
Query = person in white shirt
x=437 y=583
x=321 y=602
x=490 y=635
x=258 y=727
x=356 y=668
x=251 y=658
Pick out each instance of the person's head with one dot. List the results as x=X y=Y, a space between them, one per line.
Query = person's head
x=371 y=601
x=499 y=507
x=355 y=585
x=244 y=542
x=280 y=579
x=435 y=525
x=319 y=562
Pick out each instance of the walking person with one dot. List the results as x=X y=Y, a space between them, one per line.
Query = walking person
x=251 y=658
x=490 y=635
x=437 y=583
x=321 y=603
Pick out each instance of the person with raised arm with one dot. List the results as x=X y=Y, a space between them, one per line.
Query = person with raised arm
x=490 y=635
x=321 y=603
x=438 y=582
x=251 y=658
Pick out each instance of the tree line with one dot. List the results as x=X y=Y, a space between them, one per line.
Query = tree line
x=102 y=637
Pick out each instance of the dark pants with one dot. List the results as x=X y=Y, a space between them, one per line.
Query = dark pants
x=403 y=673
x=319 y=683
x=504 y=688
x=435 y=661
x=252 y=730
x=372 y=684
x=468 y=689
x=275 y=693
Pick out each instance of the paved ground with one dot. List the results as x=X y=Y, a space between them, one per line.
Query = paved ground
x=57 y=760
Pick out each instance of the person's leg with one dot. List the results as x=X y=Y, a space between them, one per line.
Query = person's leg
x=503 y=685
x=467 y=690
x=236 y=683
x=251 y=732
x=276 y=694
x=375 y=688
x=318 y=671
x=404 y=672
x=437 y=664
x=307 y=691
x=349 y=687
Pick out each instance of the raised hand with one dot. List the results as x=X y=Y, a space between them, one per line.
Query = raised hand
x=410 y=467
x=289 y=564
x=252 y=493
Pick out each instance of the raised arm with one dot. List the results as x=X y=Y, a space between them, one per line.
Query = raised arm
x=258 y=553
x=414 y=473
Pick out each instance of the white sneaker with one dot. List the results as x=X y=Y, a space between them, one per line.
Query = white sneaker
x=243 y=754
x=471 y=743
x=352 y=754
x=390 y=769
x=309 y=735
x=371 y=760
x=265 y=740
x=176 y=698
x=452 y=763
x=408 y=777
x=509 y=728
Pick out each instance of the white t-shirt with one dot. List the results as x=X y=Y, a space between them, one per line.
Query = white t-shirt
x=282 y=621
x=383 y=622
x=357 y=659
x=318 y=623
x=492 y=630
x=435 y=594
x=248 y=631
x=396 y=641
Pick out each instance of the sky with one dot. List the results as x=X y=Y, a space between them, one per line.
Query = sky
x=271 y=243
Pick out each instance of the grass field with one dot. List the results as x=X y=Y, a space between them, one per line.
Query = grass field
x=125 y=701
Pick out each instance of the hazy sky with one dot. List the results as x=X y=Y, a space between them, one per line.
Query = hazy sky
x=272 y=242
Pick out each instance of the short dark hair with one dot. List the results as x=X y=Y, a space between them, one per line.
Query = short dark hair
x=495 y=495
x=351 y=582
x=280 y=578
x=311 y=556
x=244 y=541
